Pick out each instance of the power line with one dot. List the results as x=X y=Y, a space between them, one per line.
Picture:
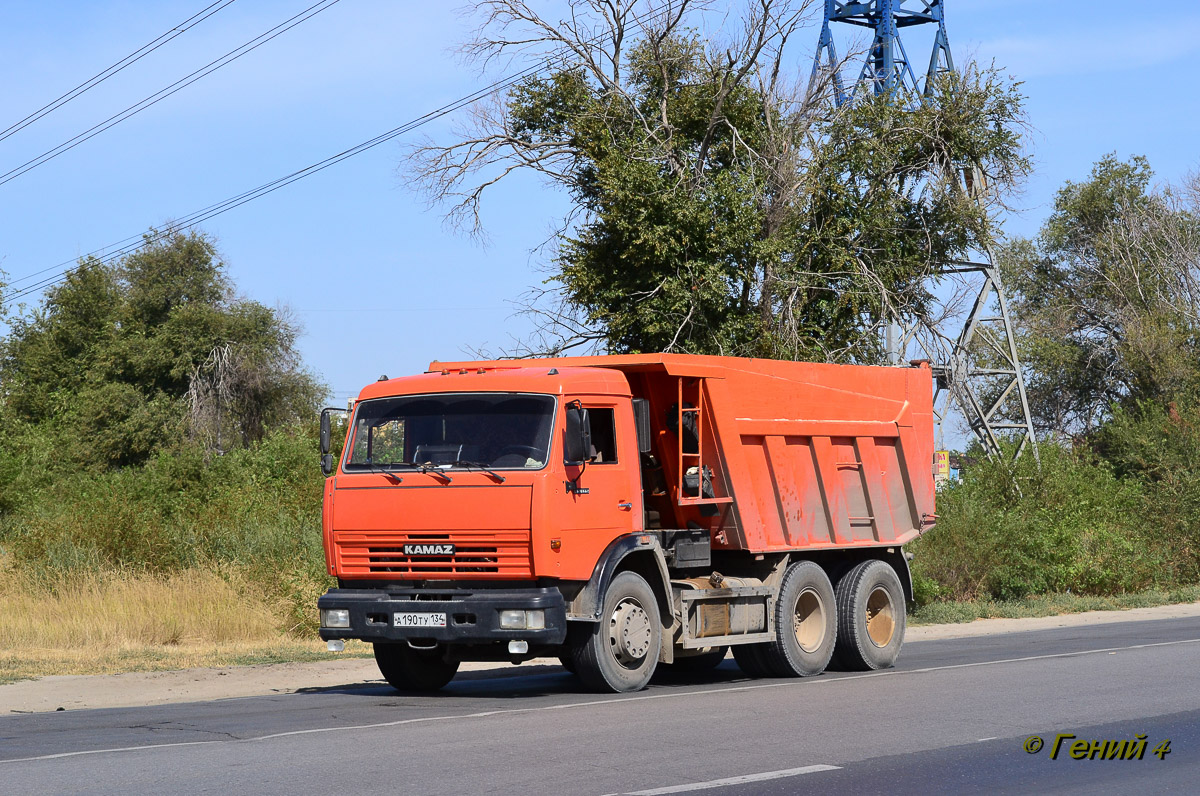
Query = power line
x=105 y=74
x=162 y=94
x=132 y=243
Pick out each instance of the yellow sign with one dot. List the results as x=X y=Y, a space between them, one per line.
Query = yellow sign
x=941 y=463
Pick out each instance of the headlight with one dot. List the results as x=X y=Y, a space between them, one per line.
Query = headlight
x=512 y=620
x=335 y=617
x=523 y=620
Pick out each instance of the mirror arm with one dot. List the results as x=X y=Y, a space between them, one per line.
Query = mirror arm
x=573 y=487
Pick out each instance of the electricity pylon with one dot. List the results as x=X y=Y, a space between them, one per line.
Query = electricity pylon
x=980 y=369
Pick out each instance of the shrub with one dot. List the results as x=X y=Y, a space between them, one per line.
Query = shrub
x=1159 y=447
x=1072 y=526
x=252 y=514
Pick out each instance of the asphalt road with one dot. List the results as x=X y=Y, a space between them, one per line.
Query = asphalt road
x=954 y=716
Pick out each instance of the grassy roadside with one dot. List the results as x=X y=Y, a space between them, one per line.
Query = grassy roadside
x=88 y=623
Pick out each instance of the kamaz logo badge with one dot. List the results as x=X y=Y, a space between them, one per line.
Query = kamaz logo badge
x=428 y=549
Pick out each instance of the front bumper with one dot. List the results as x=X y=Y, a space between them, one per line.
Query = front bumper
x=472 y=616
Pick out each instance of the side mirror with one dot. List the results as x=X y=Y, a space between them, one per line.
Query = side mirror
x=577 y=445
x=327 y=464
x=325 y=433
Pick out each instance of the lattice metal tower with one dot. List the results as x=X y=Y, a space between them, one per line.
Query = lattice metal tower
x=887 y=69
x=979 y=370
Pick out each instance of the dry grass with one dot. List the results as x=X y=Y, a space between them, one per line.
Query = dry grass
x=100 y=624
x=91 y=611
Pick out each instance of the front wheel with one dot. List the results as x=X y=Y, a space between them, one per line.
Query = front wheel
x=621 y=651
x=407 y=669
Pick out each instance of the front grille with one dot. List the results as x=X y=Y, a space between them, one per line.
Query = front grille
x=480 y=555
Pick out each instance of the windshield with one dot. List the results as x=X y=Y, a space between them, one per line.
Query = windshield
x=500 y=431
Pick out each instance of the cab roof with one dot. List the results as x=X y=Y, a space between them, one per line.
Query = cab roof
x=507 y=377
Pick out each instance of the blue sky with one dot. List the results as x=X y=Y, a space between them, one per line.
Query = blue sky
x=377 y=280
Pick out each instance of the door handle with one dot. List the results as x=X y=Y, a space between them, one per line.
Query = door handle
x=625 y=506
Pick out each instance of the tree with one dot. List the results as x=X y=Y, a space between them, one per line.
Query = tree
x=1107 y=299
x=112 y=364
x=718 y=208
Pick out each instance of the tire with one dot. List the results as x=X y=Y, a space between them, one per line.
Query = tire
x=749 y=659
x=805 y=624
x=567 y=663
x=704 y=662
x=407 y=669
x=620 y=652
x=871 y=617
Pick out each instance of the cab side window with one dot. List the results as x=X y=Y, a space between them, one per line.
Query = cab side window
x=604 y=435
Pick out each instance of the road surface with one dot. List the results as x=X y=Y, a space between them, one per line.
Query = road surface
x=953 y=716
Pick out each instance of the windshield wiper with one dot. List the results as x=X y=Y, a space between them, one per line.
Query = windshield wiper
x=375 y=468
x=430 y=468
x=483 y=467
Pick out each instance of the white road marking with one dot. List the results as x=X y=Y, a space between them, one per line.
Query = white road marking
x=742 y=780
x=805 y=683
x=102 y=751
x=992 y=738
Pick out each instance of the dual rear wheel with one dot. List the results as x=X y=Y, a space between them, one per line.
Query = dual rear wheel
x=857 y=626
x=871 y=617
x=805 y=628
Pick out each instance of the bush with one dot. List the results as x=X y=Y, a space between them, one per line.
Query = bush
x=1072 y=527
x=1159 y=447
x=252 y=514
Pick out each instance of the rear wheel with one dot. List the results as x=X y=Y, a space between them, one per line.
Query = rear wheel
x=621 y=651
x=805 y=623
x=407 y=669
x=871 y=617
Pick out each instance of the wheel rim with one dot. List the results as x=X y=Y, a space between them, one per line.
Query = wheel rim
x=809 y=621
x=629 y=633
x=881 y=618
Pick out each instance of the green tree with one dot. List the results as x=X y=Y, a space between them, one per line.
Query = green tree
x=719 y=208
x=118 y=360
x=1107 y=299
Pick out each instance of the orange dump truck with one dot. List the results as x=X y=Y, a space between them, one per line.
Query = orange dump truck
x=626 y=512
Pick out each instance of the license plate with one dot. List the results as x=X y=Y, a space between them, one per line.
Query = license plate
x=419 y=620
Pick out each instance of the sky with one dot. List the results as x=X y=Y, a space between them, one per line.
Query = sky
x=375 y=277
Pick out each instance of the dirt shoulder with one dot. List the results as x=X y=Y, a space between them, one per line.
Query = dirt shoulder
x=75 y=692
